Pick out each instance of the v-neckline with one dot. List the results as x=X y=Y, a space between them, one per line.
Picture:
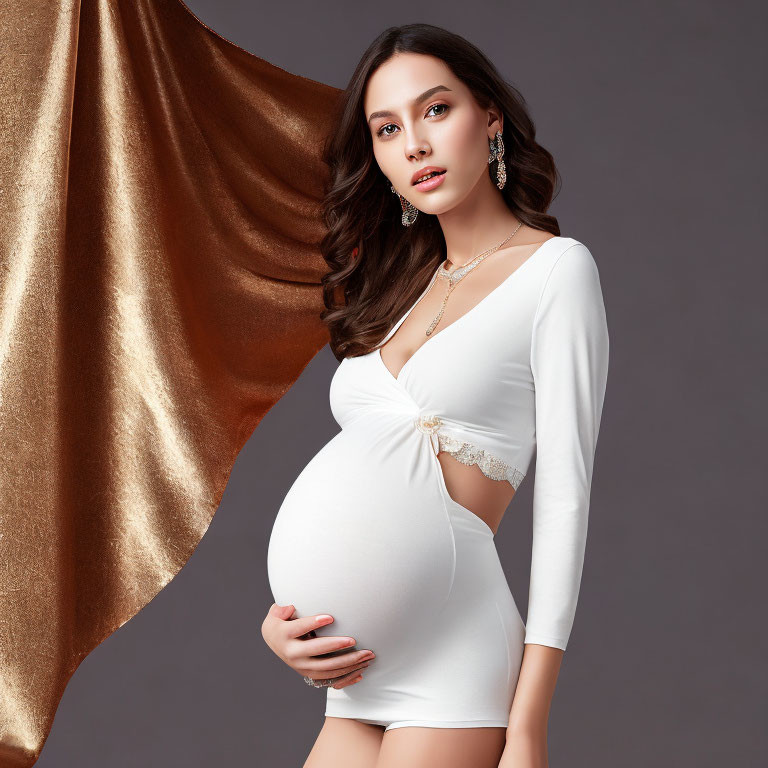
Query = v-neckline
x=485 y=298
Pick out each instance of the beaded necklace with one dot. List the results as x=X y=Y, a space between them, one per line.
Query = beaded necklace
x=458 y=274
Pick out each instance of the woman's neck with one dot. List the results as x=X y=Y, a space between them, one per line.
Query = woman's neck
x=481 y=221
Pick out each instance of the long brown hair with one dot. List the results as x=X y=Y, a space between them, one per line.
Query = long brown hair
x=378 y=267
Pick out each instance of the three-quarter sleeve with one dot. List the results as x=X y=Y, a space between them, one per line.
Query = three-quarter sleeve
x=569 y=363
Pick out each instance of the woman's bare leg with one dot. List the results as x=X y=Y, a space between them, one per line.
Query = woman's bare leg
x=346 y=743
x=419 y=747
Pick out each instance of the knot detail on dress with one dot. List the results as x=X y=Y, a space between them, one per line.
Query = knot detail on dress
x=428 y=424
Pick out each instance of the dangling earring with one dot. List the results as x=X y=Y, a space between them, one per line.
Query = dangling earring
x=497 y=153
x=410 y=211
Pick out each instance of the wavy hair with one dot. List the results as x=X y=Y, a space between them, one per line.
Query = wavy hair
x=378 y=268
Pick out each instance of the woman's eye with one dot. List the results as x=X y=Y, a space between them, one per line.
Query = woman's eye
x=435 y=106
x=384 y=132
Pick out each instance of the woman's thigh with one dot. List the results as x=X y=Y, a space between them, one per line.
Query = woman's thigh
x=345 y=743
x=418 y=747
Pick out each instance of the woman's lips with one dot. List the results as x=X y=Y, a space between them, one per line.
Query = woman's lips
x=431 y=182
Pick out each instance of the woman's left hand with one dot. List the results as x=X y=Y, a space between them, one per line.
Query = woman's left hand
x=525 y=748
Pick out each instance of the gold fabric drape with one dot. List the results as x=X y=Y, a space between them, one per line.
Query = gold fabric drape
x=159 y=292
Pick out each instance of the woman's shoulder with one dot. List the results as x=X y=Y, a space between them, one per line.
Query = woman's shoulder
x=569 y=276
x=562 y=243
x=569 y=257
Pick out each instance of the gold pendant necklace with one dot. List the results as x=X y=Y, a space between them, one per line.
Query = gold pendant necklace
x=458 y=274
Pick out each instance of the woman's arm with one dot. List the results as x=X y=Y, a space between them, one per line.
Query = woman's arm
x=535 y=689
x=569 y=363
x=526 y=745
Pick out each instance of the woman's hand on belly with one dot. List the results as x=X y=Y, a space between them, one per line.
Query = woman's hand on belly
x=294 y=641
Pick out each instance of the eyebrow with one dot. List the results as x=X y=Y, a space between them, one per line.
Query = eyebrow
x=423 y=97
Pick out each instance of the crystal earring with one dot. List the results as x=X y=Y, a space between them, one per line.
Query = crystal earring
x=410 y=211
x=497 y=153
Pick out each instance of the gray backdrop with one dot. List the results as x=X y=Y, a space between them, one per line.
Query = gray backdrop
x=656 y=117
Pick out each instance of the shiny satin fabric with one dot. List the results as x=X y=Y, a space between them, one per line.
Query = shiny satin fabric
x=159 y=292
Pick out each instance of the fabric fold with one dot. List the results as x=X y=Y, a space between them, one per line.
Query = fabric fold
x=160 y=193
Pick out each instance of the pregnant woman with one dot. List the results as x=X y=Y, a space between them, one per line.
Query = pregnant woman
x=470 y=334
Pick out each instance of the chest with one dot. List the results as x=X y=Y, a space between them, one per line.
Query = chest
x=475 y=371
x=443 y=305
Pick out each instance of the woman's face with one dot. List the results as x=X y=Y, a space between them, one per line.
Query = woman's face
x=431 y=119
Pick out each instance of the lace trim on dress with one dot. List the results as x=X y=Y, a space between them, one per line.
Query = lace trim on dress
x=468 y=453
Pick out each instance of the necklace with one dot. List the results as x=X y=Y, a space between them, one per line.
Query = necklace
x=458 y=274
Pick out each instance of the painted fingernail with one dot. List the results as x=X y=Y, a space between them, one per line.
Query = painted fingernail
x=323 y=618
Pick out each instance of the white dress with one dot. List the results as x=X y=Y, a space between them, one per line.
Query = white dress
x=369 y=534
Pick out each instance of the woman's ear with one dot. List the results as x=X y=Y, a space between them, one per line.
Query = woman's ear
x=495 y=120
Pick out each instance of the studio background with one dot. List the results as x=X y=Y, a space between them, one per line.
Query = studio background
x=654 y=116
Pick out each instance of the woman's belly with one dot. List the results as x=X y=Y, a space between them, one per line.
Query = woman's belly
x=363 y=534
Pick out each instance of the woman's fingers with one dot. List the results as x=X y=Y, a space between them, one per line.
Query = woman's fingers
x=350 y=679
x=318 y=646
x=325 y=657
x=339 y=672
x=342 y=663
x=298 y=627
